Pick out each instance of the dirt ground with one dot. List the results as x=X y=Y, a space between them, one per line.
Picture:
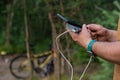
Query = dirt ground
x=6 y=75
x=5 y=72
x=4 y=68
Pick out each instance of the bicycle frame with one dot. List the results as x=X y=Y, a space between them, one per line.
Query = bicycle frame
x=39 y=62
x=35 y=59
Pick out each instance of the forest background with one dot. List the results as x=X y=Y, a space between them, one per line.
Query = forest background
x=44 y=26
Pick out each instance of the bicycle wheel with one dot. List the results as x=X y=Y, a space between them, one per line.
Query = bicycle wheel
x=20 y=67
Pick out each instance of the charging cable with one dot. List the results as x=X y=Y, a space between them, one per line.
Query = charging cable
x=83 y=73
x=63 y=54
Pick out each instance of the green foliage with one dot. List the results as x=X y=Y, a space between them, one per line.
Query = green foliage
x=79 y=55
x=109 y=18
x=38 y=21
x=7 y=49
x=41 y=47
x=106 y=73
x=34 y=78
x=2 y=40
x=117 y=4
x=20 y=49
x=67 y=77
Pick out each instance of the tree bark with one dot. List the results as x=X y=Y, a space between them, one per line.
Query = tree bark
x=117 y=67
x=68 y=43
x=27 y=37
x=9 y=21
x=56 y=55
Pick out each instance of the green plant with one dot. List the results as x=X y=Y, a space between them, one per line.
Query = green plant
x=106 y=73
x=34 y=78
x=20 y=48
x=7 y=49
x=108 y=18
x=79 y=55
x=67 y=77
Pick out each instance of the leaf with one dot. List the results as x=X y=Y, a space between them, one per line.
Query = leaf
x=116 y=3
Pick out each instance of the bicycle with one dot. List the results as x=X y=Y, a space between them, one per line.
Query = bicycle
x=41 y=64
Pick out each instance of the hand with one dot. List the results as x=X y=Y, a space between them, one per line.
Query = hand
x=83 y=37
x=98 y=32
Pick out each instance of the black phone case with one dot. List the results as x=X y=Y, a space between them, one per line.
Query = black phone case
x=70 y=25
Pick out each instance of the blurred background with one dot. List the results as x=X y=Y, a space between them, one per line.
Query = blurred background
x=44 y=25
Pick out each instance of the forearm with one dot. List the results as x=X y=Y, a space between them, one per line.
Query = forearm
x=108 y=51
x=112 y=35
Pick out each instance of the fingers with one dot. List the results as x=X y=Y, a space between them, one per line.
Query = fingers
x=76 y=35
x=95 y=30
x=84 y=27
x=84 y=32
x=73 y=35
x=94 y=27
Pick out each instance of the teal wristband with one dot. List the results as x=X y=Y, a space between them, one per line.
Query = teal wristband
x=89 y=48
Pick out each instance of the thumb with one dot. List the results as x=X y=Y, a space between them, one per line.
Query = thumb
x=84 y=27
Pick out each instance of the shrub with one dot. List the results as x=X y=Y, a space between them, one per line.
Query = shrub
x=7 y=49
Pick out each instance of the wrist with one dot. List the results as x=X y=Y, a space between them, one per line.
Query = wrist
x=85 y=45
x=90 y=45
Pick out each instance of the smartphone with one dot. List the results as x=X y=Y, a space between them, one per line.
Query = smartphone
x=71 y=25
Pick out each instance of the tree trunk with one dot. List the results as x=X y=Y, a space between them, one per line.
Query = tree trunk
x=9 y=21
x=27 y=37
x=117 y=67
x=68 y=43
x=56 y=56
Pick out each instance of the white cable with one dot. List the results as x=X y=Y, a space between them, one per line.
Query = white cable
x=62 y=53
x=83 y=73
